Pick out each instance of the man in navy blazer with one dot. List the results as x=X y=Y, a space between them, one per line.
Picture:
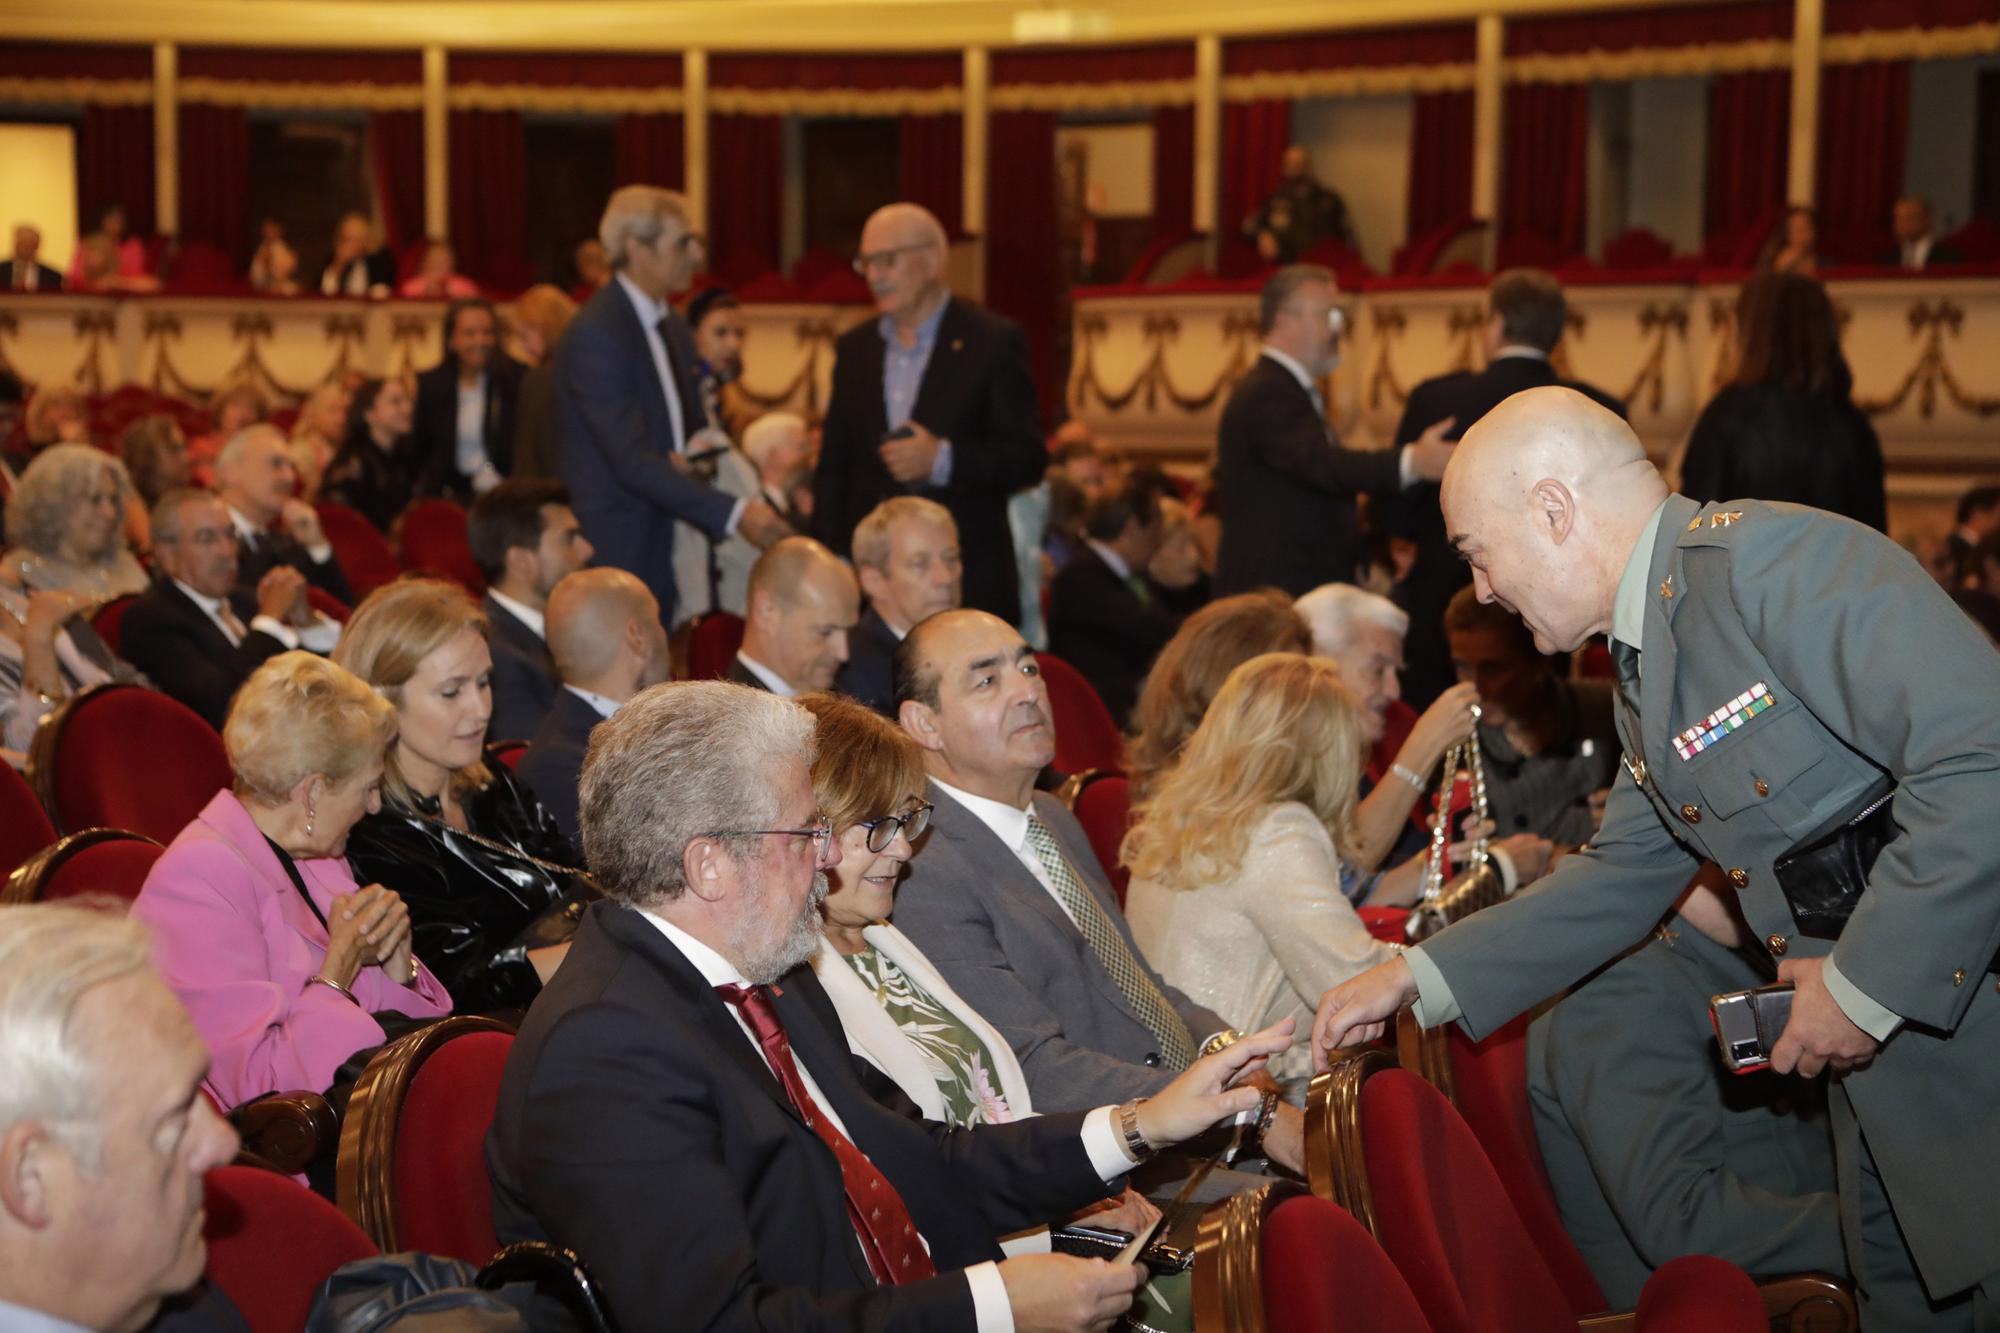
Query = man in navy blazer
x=906 y=554
x=628 y=406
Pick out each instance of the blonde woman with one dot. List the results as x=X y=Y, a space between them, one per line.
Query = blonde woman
x=1236 y=853
x=317 y=436
x=66 y=517
x=538 y=318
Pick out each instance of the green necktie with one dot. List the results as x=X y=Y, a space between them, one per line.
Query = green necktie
x=1137 y=583
x=1176 y=1046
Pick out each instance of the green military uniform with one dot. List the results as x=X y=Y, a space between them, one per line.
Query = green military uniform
x=1654 y=1150
x=1865 y=671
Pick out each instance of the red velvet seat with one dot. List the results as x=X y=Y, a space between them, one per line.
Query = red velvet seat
x=434 y=543
x=327 y=604
x=105 y=861
x=24 y=826
x=108 y=620
x=363 y=551
x=712 y=641
x=1323 y=1273
x=123 y=756
x=1087 y=735
x=1102 y=803
x=271 y=1242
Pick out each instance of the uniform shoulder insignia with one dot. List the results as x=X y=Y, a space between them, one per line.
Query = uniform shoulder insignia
x=1724 y=518
x=1715 y=525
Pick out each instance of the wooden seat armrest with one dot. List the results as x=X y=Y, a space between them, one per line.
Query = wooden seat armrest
x=286 y=1129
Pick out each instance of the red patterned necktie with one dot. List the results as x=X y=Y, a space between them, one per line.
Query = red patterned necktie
x=895 y=1253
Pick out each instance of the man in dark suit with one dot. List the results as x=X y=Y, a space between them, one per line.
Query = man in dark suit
x=1916 y=249
x=463 y=442
x=906 y=552
x=605 y=633
x=1978 y=518
x=357 y=266
x=935 y=398
x=525 y=541
x=1287 y=486
x=803 y=605
x=256 y=478
x=1104 y=617
x=1526 y=315
x=628 y=404
x=681 y=1108
x=195 y=633
x=25 y=272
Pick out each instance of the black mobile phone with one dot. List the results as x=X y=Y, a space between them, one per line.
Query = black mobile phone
x=1748 y=1023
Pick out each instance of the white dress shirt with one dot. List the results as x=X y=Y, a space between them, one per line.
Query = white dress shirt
x=527 y=615
x=605 y=707
x=1405 y=474
x=320 y=637
x=1010 y=825
x=774 y=682
x=650 y=314
x=20 y=1319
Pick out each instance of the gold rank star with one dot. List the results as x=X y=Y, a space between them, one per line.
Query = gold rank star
x=1724 y=520
x=1694 y=524
x=1667 y=588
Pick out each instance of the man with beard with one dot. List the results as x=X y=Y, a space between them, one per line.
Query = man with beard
x=680 y=1107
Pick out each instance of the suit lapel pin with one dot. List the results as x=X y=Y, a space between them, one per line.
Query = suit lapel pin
x=1667 y=588
x=1724 y=520
x=1694 y=524
x=957 y=344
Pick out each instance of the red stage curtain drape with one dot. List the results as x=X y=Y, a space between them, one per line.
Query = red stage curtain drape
x=1173 y=170
x=1668 y=25
x=1022 y=273
x=652 y=150
x=1864 y=123
x=1437 y=44
x=215 y=170
x=489 y=198
x=1544 y=127
x=396 y=160
x=931 y=157
x=1749 y=130
x=1254 y=138
x=114 y=153
x=747 y=168
x=1440 y=160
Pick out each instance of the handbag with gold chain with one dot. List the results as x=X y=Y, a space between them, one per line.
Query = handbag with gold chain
x=1480 y=884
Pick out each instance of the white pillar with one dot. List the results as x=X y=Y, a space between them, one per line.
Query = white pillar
x=1486 y=113
x=977 y=81
x=694 y=139
x=166 y=143
x=437 y=146
x=1808 y=27
x=1207 y=133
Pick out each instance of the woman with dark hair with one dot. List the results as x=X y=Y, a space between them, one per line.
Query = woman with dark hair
x=1786 y=427
x=370 y=474
x=1794 y=244
x=463 y=444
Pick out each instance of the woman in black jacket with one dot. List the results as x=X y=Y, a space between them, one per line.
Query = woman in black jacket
x=1786 y=427
x=371 y=473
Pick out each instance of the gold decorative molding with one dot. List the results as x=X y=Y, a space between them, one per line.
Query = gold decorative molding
x=817 y=337
x=1931 y=321
x=946 y=100
x=62 y=92
x=1239 y=331
x=1390 y=322
x=1660 y=321
x=277 y=96
x=95 y=329
x=1124 y=96
x=553 y=100
x=1354 y=81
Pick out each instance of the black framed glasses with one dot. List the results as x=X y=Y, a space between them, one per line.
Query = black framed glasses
x=911 y=823
x=865 y=263
x=821 y=834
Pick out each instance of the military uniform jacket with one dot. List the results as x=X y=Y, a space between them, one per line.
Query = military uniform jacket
x=1873 y=676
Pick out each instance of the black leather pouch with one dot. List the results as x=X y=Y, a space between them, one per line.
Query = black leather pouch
x=1822 y=879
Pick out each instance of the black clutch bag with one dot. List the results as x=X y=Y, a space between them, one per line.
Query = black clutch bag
x=1822 y=879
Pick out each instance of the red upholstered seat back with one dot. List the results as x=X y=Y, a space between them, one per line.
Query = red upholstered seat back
x=444 y=1197
x=1445 y=1220
x=363 y=552
x=108 y=619
x=115 y=866
x=24 y=826
x=1491 y=1083
x=1086 y=734
x=1699 y=1293
x=713 y=644
x=434 y=542
x=271 y=1242
x=1323 y=1273
x=1104 y=808
x=132 y=758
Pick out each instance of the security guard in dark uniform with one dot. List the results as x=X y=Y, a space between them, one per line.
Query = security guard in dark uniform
x=1805 y=707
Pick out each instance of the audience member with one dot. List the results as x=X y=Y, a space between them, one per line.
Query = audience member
x=906 y=554
x=628 y=406
x=1785 y=427
x=934 y=398
x=48 y=652
x=1794 y=245
x=274 y=268
x=66 y=520
x=286 y=963
x=803 y=607
x=196 y=632
x=56 y=414
x=463 y=442
x=371 y=473
x=1210 y=644
x=777 y=444
x=1916 y=248
x=711 y=575
x=1978 y=517
x=357 y=267
x=437 y=277
x=593 y=268
x=25 y=271
x=155 y=453
x=110 y=260
x=628 y=1080
x=1279 y=467
x=1076 y=454
x=255 y=478
x=1179 y=578
x=239 y=401
x=1299 y=214
x=492 y=885
x=716 y=319
x=608 y=644
x=104 y=1134
x=1237 y=854
x=525 y=540
x=1549 y=743
x=1104 y=618
x=540 y=315
x=1084 y=1012
x=1526 y=316
x=317 y=435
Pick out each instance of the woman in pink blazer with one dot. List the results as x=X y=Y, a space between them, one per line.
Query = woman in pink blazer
x=258 y=925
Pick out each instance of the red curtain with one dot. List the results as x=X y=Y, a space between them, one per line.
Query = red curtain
x=1864 y=122
x=1173 y=170
x=215 y=170
x=396 y=160
x=1254 y=138
x=1666 y=25
x=1749 y=130
x=114 y=155
x=489 y=198
x=1023 y=277
x=652 y=150
x=747 y=169
x=932 y=162
x=1544 y=127
x=1440 y=161
x=1440 y=44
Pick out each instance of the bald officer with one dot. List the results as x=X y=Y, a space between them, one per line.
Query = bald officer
x=1781 y=669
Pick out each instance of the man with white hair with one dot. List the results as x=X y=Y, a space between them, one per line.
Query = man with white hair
x=681 y=1108
x=628 y=404
x=104 y=1132
x=935 y=398
x=256 y=478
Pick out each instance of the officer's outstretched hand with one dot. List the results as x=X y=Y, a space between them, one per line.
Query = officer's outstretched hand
x=1359 y=1009
x=1820 y=1035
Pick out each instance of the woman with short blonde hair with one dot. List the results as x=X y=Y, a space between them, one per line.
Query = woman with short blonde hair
x=306 y=716
x=56 y=415
x=66 y=518
x=317 y=435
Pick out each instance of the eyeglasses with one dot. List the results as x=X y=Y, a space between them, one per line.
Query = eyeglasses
x=864 y=264
x=911 y=824
x=821 y=834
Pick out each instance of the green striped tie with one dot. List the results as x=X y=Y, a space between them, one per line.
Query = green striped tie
x=1176 y=1046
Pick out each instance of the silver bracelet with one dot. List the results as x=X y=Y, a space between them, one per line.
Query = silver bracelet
x=1408 y=775
x=1128 y=1123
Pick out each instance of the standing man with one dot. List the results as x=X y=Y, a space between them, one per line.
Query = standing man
x=627 y=401
x=906 y=553
x=1299 y=214
x=1287 y=486
x=934 y=399
x=525 y=539
x=1770 y=699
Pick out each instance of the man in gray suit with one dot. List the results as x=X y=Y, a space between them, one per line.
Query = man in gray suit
x=1781 y=670
x=1007 y=899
